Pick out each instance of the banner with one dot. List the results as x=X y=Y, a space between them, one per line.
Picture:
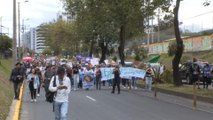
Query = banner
x=88 y=82
x=126 y=72
x=106 y=73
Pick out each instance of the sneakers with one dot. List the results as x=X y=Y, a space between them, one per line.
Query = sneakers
x=38 y=95
x=35 y=100
x=31 y=100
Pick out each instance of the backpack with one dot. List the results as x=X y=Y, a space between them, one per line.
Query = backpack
x=50 y=95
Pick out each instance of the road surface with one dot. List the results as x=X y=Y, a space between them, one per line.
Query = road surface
x=102 y=105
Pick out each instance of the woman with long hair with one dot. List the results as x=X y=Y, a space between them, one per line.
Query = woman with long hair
x=33 y=82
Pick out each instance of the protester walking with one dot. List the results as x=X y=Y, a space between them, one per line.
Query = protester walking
x=75 y=73
x=39 y=73
x=33 y=83
x=116 y=80
x=98 y=78
x=195 y=72
x=47 y=77
x=62 y=90
x=148 y=79
x=17 y=77
x=206 y=75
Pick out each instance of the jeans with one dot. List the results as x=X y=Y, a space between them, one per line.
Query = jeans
x=134 y=83
x=116 y=83
x=148 y=83
x=17 y=87
x=61 y=110
x=76 y=80
x=110 y=83
x=98 y=83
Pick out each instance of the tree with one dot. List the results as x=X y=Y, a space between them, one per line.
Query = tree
x=5 y=44
x=179 y=47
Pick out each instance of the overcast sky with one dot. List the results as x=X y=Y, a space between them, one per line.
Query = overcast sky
x=40 y=11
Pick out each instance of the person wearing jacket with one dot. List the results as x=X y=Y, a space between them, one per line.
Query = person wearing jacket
x=62 y=90
x=33 y=83
x=17 y=77
x=206 y=75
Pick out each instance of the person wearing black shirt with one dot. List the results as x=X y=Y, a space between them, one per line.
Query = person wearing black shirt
x=116 y=80
x=98 y=78
x=17 y=77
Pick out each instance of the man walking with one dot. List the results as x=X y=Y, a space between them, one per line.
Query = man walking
x=62 y=90
x=116 y=80
x=17 y=77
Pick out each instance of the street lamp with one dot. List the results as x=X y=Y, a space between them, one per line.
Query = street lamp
x=19 y=29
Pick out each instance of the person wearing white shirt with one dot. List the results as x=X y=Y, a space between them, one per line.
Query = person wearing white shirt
x=62 y=90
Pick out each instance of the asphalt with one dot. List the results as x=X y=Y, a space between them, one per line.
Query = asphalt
x=129 y=105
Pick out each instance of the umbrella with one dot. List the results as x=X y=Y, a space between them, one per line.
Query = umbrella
x=27 y=59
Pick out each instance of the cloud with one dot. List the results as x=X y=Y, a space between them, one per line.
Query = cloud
x=37 y=11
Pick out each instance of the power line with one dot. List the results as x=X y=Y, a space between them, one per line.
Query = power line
x=198 y=15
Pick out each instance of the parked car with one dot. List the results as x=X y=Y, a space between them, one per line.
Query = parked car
x=184 y=71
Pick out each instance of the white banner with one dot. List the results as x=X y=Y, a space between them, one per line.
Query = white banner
x=126 y=72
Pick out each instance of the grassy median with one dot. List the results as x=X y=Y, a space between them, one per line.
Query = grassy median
x=6 y=89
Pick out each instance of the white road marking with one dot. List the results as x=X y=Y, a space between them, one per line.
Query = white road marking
x=91 y=98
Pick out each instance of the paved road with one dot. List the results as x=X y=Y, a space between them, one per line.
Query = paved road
x=102 y=105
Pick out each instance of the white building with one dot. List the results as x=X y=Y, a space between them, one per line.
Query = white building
x=34 y=40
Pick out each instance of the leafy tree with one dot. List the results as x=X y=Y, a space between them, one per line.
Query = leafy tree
x=5 y=43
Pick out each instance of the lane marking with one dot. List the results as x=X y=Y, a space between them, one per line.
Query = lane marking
x=91 y=98
x=17 y=110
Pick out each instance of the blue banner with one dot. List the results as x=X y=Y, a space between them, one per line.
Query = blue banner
x=126 y=72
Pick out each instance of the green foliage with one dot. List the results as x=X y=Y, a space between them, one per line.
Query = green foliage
x=6 y=89
x=167 y=76
x=5 y=43
x=186 y=57
x=115 y=58
x=47 y=51
x=172 y=48
x=137 y=57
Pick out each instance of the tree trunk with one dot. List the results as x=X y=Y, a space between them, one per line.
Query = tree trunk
x=121 y=45
x=179 y=52
x=91 y=48
x=103 y=52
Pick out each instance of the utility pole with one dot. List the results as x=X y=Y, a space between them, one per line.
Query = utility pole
x=158 y=24
x=14 y=34
x=1 y=25
x=19 y=30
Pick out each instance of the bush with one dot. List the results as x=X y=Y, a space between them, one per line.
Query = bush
x=137 y=58
x=167 y=76
x=172 y=48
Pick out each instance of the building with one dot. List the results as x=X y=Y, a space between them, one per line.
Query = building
x=34 y=40
x=40 y=40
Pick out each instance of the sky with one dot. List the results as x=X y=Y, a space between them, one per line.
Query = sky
x=33 y=12
x=36 y=12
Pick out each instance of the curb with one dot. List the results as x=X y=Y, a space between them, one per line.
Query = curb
x=16 y=106
x=184 y=95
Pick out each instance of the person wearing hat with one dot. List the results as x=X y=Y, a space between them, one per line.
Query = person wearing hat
x=17 y=77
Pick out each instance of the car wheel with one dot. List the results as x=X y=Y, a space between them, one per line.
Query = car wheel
x=188 y=80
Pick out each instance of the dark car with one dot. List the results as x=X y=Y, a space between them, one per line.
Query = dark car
x=184 y=71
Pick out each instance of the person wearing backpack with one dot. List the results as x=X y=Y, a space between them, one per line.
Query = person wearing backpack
x=47 y=77
x=17 y=77
x=62 y=88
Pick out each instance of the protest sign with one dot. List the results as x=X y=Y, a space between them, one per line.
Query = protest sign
x=126 y=72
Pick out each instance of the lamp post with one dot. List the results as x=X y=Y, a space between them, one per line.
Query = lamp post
x=19 y=30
